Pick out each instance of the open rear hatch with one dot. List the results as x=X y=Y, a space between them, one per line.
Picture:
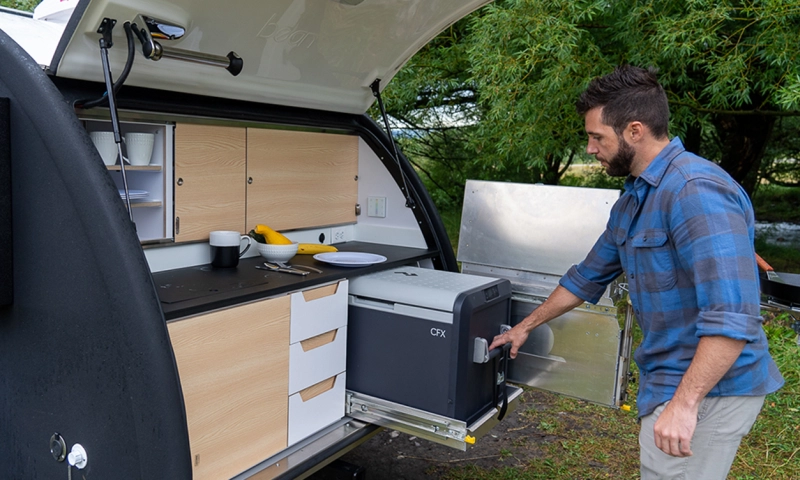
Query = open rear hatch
x=321 y=54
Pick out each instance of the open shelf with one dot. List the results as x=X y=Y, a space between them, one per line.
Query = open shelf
x=135 y=204
x=153 y=214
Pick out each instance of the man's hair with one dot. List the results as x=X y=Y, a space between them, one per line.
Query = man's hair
x=628 y=94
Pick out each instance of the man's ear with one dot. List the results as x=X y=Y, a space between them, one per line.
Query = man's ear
x=634 y=132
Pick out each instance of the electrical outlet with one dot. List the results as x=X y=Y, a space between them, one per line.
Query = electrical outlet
x=338 y=235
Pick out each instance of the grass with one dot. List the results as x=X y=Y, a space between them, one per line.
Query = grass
x=596 y=442
x=777 y=204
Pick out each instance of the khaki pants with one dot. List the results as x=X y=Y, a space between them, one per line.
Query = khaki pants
x=721 y=424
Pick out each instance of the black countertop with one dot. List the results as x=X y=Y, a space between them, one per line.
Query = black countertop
x=193 y=290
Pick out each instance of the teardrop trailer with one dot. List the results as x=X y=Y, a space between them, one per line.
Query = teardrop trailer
x=126 y=355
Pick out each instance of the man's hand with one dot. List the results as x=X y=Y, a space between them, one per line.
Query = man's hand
x=674 y=429
x=516 y=337
x=675 y=426
x=558 y=303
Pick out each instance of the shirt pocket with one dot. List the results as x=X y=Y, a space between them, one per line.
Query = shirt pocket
x=653 y=254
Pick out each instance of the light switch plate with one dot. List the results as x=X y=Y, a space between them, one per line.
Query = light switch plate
x=376 y=207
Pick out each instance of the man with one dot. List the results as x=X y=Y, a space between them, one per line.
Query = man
x=683 y=233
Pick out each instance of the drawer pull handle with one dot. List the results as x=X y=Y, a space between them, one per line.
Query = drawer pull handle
x=317 y=389
x=317 y=293
x=318 y=341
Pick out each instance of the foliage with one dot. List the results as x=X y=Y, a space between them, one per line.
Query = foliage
x=530 y=61
x=780 y=163
x=774 y=203
x=493 y=97
x=24 y=5
x=591 y=176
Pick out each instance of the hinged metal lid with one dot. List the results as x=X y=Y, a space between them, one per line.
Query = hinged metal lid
x=320 y=54
x=532 y=228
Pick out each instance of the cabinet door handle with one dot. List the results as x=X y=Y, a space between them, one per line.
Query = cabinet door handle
x=249 y=180
x=180 y=181
x=177 y=225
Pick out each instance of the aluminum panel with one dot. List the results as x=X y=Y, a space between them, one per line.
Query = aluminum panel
x=576 y=354
x=536 y=228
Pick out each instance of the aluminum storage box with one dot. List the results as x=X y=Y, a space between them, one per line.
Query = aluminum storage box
x=410 y=339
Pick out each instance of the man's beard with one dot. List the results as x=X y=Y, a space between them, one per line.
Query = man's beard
x=620 y=165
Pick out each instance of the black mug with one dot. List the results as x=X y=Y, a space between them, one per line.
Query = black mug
x=226 y=248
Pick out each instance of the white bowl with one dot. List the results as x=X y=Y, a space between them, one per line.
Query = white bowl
x=277 y=253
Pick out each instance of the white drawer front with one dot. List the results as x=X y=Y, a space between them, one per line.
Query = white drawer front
x=318 y=310
x=317 y=358
x=317 y=410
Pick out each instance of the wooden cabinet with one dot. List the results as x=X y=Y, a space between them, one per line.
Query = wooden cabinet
x=285 y=179
x=234 y=371
x=209 y=180
x=301 y=179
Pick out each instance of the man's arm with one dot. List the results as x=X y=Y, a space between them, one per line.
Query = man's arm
x=558 y=303
x=674 y=428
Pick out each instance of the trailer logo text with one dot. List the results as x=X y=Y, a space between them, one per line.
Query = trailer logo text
x=289 y=34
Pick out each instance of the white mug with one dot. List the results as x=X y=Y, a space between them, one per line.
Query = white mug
x=226 y=247
x=139 y=147
x=106 y=146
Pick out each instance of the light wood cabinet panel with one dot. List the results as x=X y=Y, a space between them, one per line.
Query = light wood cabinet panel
x=234 y=371
x=301 y=179
x=210 y=169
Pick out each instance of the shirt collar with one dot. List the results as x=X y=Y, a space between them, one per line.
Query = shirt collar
x=658 y=167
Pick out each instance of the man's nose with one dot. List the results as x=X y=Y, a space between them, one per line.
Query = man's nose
x=591 y=149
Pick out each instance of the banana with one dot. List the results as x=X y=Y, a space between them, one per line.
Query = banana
x=313 y=248
x=272 y=236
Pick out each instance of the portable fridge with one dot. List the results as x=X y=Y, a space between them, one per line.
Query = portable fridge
x=412 y=334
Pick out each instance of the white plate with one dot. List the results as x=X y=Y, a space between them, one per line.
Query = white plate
x=349 y=259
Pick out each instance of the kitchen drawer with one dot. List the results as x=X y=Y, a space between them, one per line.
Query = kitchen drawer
x=316 y=407
x=317 y=358
x=318 y=310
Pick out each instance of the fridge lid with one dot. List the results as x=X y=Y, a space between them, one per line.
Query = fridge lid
x=320 y=54
x=419 y=287
x=531 y=227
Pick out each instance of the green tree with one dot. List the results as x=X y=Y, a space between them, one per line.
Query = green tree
x=731 y=69
x=514 y=69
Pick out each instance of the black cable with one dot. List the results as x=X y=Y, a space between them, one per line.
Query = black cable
x=103 y=100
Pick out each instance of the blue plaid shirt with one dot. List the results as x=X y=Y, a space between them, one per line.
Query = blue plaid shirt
x=683 y=233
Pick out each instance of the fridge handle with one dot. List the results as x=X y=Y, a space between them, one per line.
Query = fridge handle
x=481 y=353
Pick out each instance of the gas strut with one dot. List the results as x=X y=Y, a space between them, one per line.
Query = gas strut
x=376 y=92
x=105 y=29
